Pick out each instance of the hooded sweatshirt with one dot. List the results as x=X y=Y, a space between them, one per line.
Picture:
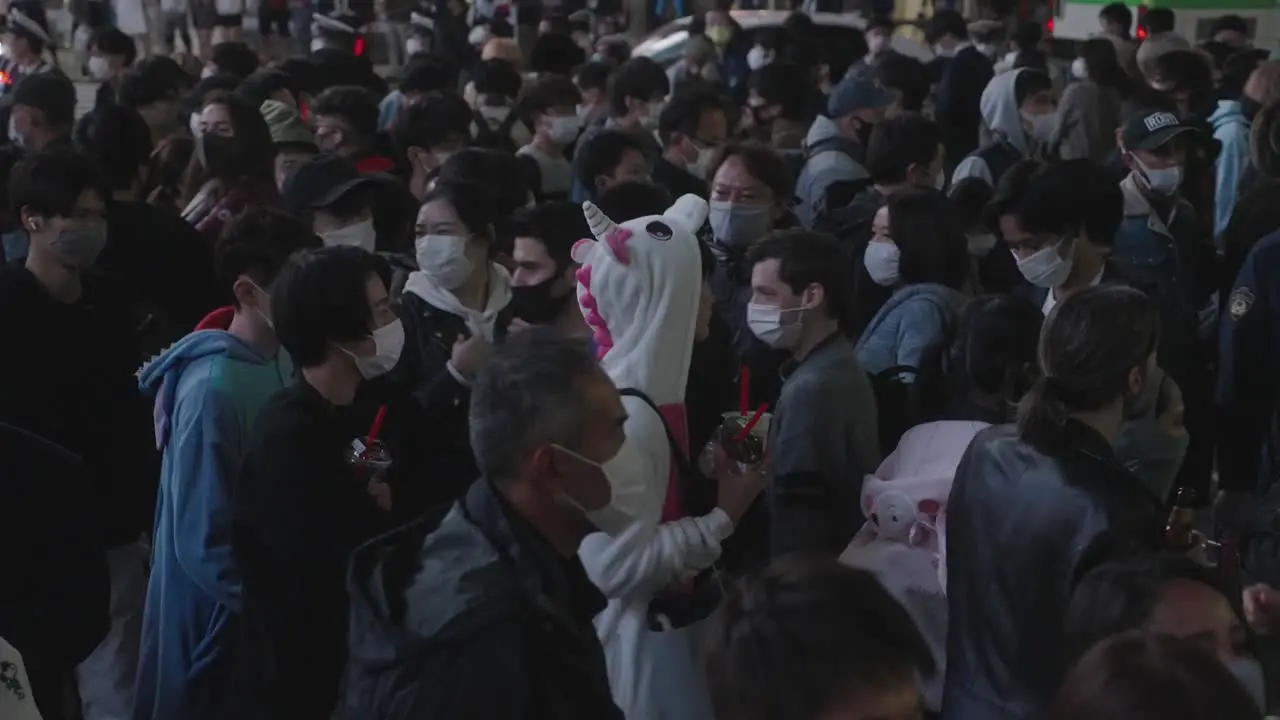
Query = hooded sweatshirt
x=831 y=158
x=208 y=387
x=1002 y=118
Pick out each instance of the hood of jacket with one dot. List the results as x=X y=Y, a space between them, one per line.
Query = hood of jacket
x=1000 y=113
x=822 y=128
x=482 y=322
x=427 y=585
x=949 y=300
x=1228 y=111
x=159 y=376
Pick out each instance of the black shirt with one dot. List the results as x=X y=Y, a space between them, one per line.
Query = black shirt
x=678 y=181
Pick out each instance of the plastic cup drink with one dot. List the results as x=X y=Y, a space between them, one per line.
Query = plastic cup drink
x=750 y=449
x=370 y=457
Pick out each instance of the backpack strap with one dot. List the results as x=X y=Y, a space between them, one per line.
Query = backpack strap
x=683 y=467
x=833 y=143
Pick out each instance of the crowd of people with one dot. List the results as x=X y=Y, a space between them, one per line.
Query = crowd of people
x=790 y=382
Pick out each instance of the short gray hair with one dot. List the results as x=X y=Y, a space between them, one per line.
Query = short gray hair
x=528 y=395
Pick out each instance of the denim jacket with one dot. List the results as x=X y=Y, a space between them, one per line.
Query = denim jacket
x=913 y=321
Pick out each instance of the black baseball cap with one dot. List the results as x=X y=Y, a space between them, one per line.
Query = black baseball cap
x=50 y=93
x=1151 y=130
x=320 y=181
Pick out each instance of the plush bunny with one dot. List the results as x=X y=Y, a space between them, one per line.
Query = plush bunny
x=893 y=514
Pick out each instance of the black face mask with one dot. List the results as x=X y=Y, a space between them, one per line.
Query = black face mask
x=535 y=304
x=219 y=155
x=1249 y=107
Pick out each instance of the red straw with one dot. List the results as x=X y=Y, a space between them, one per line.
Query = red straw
x=377 y=424
x=746 y=429
x=744 y=389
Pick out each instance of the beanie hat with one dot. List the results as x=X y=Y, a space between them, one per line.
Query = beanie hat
x=285 y=124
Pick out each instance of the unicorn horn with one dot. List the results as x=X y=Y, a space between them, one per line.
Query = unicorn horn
x=600 y=224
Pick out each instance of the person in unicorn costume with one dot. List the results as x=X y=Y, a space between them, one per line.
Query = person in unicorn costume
x=638 y=289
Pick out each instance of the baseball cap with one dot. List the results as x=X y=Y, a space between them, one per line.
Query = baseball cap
x=320 y=181
x=50 y=93
x=285 y=125
x=1151 y=129
x=858 y=92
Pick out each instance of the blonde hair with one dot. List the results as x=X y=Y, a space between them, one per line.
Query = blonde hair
x=1264 y=83
x=503 y=49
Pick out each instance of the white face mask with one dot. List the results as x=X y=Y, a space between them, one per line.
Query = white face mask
x=388 y=342
x=193 y=124
x=99 y=68
x=940 y=180
x=18 y=140
x=610 y=519
x=444 y=259
x=650 y=120
x=766 y=323
x=881 y=260
x=564 y=129
x=698 y=168
x=1043 y=126
x=877 y=43
x=1079 y=70
x=1164 y=181
x=1045 y=267
x=1249 y=672
x=494 y=114
x=980 y=243
x=758 y=57
x=359 y=235
x=317 y=44
x=414 y=45
x=582 y=112
x=207 y=72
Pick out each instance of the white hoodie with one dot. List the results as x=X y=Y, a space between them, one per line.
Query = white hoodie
x=16 y=702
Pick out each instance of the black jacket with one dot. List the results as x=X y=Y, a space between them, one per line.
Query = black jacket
x=964 y=77
x=470 y=613
x=53 y=601
x=68 y=376
x=678 y=181
x=1024 y=523
x=429 y=335
x=298 y=511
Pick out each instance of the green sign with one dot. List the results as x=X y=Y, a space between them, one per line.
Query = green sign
x=1222 y=6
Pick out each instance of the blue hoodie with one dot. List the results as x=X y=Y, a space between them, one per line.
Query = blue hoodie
x=913 y=322
x=1231 y=128
x=208 y=387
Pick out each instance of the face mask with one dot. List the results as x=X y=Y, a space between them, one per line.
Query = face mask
x=877 y=43
x=980 y=244
x=564 y=130
x=582 y=112
x=535 y=304
x=1249 y=672
x=414 y=45
x=388 y=341
x=99 y=68
x=719 y=35
x=939 y=180
x=207 y=72
x=79 y=247
x=650 y=120
x=494 y=115
x=698 y=168
x=1164 y=181
x=15 y=137
x=317 y=44
x=758 y=57
x=193 y=124
x=1042 y=127
x=767 y=324
x=1079 y=70
x=738 y=224
x=881 y=260
x=1046 y=268
x=610 y=519
x=444 y=259
x=941 y=51
x=219 y=155
x=361 y=235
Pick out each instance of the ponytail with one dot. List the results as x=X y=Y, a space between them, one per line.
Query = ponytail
x=1043 y=412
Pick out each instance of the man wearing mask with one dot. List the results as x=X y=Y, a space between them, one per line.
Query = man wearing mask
x=346 y=122
x=549 y=108
x=1020 y=115
x=824 y=436
x=636 y=95
x=965 y=72
x=543 y=286
x=836 y=143
x=111 y=52
x=299 y=507
x=337 y=198
x=779 y=108
x=73 y=385
x=1162 y=241
x=41 y=116
x=428 y=133
x=209 y=388
x=692 y=128
x=879 y=36
x=545 y=418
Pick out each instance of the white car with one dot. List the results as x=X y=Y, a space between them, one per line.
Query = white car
x=666 y=44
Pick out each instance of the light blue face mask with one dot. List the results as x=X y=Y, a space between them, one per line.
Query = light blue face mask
x=1249 y=672
x=737 y=225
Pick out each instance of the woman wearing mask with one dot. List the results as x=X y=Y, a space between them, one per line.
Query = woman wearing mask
x=1045 y=498
x=454 y=308
x=918 y=250
x=732 y=46
x=1165 y=594
x=1090 y=107
x=751 y=187
x=233 y=166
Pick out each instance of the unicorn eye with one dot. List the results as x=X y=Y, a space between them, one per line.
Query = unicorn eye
x=658 y=231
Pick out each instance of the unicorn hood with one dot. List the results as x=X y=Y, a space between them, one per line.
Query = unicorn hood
x=638 y=289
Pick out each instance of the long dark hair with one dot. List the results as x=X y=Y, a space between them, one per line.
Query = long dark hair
x=256 y=153
x=932 y=246
x=1089 y=343
x=1103 y=65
